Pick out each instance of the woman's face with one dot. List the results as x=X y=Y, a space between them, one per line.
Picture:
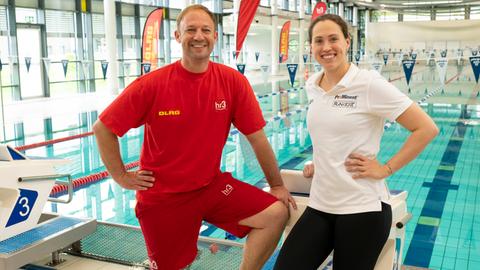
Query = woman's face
x=329 y=46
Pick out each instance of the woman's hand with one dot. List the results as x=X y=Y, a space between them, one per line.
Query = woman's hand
x=361 y=166
x=308 y=169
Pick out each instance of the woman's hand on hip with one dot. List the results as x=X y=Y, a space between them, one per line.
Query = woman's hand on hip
x=361 y=166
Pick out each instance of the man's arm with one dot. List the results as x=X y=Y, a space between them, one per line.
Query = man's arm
x=109 y=150
x=266 y=158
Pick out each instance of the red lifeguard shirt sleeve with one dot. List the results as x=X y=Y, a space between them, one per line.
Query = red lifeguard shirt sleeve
x=247 y=115
x=129 y=109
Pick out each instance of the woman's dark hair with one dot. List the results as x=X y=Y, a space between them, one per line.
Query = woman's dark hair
x=330 y=17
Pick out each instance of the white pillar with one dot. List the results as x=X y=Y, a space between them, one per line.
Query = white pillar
x=301 y=35
x=236 y=8
x=111 y=42
x=274 y=52
x=355 y=16
x=340 y=9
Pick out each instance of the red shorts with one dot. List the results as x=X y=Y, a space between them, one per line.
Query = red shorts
x=172 y=223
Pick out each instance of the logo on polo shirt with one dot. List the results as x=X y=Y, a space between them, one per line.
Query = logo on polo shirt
x=221 y=105
x=345 y=101
x=228 y=189
x=169 y=113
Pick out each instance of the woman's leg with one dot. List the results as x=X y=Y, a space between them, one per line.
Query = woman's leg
x=309 y=243
x=359 y=239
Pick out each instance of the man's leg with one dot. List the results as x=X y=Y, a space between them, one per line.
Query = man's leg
x=267 y=227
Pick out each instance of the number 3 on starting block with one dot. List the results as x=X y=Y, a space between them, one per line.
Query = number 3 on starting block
x=23 y=207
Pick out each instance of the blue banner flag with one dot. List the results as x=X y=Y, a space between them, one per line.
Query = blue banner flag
x=280 y=58
x=233 y=54
x=241 y=68
x=408 y=68
x=1 y=65
x=357 y=57
x=28 y=62
x=475 y=61
x=292 y=71
x=305 y=58
x=443 y=53
x=385 y=58
x=65 y=67
x=146 y=68
x=104 y=69
x=414 y=55
x=257 y=55
x=474 y=52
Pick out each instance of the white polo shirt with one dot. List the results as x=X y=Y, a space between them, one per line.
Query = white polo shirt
x=349 y=119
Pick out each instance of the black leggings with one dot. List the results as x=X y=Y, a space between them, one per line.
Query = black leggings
x=357 y=240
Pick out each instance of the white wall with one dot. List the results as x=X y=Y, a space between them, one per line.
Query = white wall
x=423 y=35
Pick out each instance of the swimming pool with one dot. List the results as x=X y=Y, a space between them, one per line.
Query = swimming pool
x=442 y=182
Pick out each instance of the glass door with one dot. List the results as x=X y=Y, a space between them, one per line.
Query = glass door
x=29 y=58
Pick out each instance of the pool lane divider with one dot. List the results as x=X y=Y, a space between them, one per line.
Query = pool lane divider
x=49 y=142
x=420 y=251
x=89 y=179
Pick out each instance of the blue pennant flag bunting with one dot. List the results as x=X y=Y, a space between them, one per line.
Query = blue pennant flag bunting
x=104 y=69
x=241 y=68
x=280 y=58
x=146 y=67
x=357 y=58
x=475 y=62
x=305 y=58
x=28 y=62
x=443 y=53
x=257 y=55
x=292 y=71
x=408 y=68
x=385 y=58
x=65 y=67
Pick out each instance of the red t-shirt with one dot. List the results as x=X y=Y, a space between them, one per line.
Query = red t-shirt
x=187 y=118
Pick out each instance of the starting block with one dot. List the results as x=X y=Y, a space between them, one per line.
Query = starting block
x=25 y=186
x=391 y=255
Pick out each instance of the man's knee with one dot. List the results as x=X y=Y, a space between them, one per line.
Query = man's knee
x=278 y=213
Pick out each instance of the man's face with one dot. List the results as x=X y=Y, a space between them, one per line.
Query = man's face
x=197 y=35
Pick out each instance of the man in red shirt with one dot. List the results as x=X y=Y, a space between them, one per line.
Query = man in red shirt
x=187 y=109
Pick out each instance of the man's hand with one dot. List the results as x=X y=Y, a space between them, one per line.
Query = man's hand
x=136 y=180
x=283 y=195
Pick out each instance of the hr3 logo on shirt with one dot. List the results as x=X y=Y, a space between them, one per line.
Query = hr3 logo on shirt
x=220 y=105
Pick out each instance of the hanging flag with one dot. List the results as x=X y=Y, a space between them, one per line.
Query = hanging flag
x=1 y=65
x=246 y=13
x=28 y=62
x=241 y=68
x=283 y=44
x=85 y=68
x=127 y=66
x=474 y=52
x=357 y=58
x=104 y=68
x=442 y=69
x=65 y=67
x=264 y=69
x=443 y=53
x=319 y=10
x=408 y=68
x=318 y=67
x=292 y=71
x=146 y=68
x=377 y=66
x=305 y=58
x=414 y=55
x=150 y=38
x=257 y=55
x=385 y=58
x=475 y=62
x=280 y=57
x=46 y=64
x=233 y=54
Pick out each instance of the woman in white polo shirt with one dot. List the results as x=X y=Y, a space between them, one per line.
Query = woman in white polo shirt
x=347 y=111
